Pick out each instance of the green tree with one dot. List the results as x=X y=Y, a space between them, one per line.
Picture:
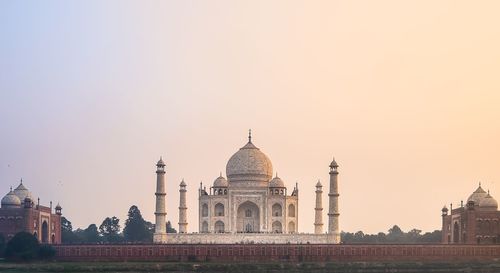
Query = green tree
x=359 y=236
x=346 y=237
x=136 y=228
x=110 y=229
x=395 y=234
x=90 y=234
x=67 y=234
x=170 y=229
x=431 y=237
x=23 y=246
x=151 y=230
x=413 y=235
x=381 y=237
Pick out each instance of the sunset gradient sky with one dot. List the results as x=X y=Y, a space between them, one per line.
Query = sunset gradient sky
x=404 y=94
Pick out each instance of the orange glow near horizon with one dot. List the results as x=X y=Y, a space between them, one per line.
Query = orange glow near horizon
x=404 y=94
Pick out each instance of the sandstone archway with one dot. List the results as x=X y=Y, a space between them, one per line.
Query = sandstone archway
x=248 y=218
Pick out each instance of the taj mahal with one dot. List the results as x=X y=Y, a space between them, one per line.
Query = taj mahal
x=250 y=206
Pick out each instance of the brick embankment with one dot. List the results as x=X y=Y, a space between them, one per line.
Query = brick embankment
x=279 y=253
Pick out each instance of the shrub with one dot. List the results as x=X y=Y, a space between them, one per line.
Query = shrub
x=46 y=252
x=2 y=244
x=23 y=246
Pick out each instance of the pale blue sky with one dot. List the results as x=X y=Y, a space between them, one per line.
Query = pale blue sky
x=404 y=94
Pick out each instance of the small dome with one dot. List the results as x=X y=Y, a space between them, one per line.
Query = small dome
x=477 y=195
x=11 y=200
x=276 y=182
x=319 y=184
x=22 y=192
x=182 y=184
x=58 y=207
x=444 y=209
x=334 y=164
x=488 y=202
x=249 y=164
x=160 y=163
x=220 y=182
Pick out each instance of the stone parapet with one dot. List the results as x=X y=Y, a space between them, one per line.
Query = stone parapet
x=238 y=238
x=278 y=253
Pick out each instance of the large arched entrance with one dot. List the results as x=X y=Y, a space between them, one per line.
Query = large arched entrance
x=248 y=218
x=456 y=233
x=45 y=232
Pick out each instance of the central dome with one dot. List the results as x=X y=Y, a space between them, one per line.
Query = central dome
x=477 y=195
x=249 y=164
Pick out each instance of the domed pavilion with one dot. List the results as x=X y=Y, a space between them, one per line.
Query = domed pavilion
x=475 y=222
x=248 y=205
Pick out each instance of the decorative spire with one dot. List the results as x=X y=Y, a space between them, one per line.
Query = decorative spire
x=333 y=165
x=160 y=163
x=250 y=135
x=220 y=175
x=21 y=180
x=319 y=184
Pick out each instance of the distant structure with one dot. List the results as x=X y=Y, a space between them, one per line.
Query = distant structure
x=20 y=213
x=249 y=206
x=333 y=196
x=160 y=233
x=318 y=211
x=182 y=208
x=475 y=223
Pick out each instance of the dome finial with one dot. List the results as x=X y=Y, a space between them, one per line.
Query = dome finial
x=220 y=174
x=160 y=162
x=250 y=135
x=182 y=184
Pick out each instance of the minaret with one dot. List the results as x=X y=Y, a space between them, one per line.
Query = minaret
x=182 y=208
x=160 y=235
x=318 y=216
x=444 y=234
x=333 y=196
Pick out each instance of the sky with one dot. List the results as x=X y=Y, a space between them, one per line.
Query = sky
x=404 y=94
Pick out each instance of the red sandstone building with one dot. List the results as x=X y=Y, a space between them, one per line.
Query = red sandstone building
x=19 y=213
x=476 y=223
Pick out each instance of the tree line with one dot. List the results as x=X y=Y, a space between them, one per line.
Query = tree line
x=136 y=230
x=394 y=236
